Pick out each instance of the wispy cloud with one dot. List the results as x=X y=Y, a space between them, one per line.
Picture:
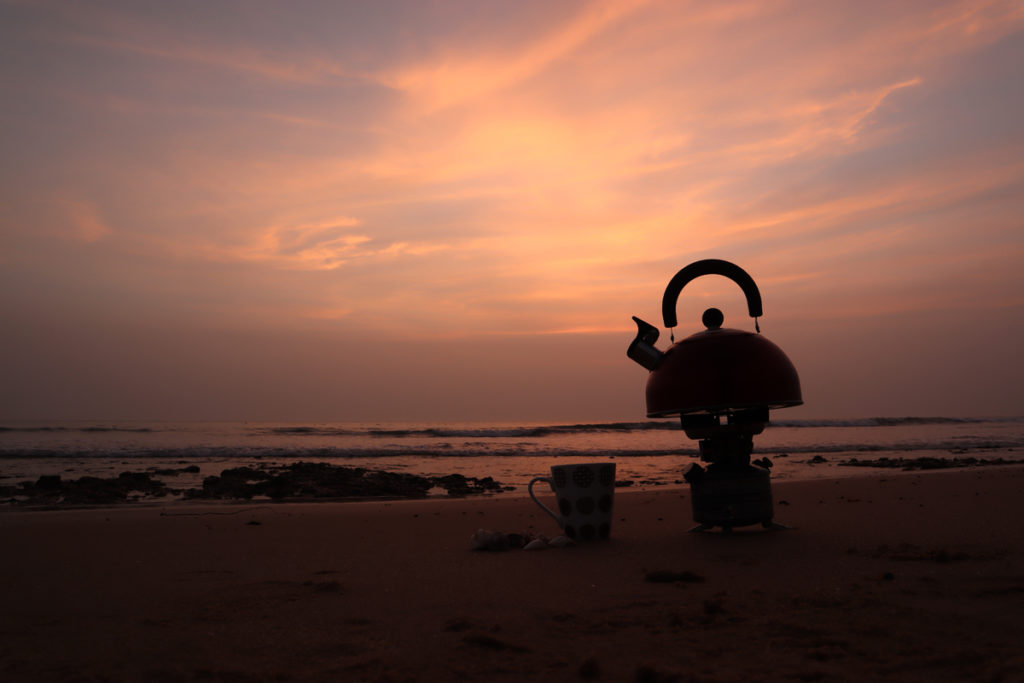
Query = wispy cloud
x=454 y=78
x=135 y=33
x=322 y=245
x=84 y=222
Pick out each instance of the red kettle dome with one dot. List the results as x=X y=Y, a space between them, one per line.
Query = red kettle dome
x=717 y=370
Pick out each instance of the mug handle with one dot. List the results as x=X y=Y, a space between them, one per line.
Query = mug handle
x=543 y=507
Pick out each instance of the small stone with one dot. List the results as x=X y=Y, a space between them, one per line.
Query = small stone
x=590 y=669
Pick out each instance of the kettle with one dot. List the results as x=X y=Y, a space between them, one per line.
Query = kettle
x=718 y=370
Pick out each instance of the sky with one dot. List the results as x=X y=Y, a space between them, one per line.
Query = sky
x=450 y=210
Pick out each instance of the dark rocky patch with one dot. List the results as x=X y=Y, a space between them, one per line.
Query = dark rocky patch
x=323 y=480
x=173 y=472
x=300 y=480
x=52 y=489
x=457 y=485
x=926 y=463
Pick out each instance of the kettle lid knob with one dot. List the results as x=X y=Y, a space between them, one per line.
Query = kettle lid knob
x=712 y=319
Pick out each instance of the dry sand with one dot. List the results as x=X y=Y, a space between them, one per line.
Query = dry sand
x=913 y=577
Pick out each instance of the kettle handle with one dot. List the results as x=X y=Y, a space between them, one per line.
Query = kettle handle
x=711 y=266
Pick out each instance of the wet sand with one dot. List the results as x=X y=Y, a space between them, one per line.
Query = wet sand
x=892 y=576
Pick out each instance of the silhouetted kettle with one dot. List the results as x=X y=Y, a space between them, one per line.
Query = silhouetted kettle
x=717 y=370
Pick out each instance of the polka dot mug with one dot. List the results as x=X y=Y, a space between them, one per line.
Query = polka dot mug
x=585 y=494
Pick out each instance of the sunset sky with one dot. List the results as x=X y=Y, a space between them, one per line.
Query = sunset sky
x=412 y=210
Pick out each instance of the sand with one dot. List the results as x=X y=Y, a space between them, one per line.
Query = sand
x=904 y=577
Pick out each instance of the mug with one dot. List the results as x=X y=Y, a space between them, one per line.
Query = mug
x=585 y=494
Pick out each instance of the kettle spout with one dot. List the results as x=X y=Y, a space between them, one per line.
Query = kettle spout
x=642 y=348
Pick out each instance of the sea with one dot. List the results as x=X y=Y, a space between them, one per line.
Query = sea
x=647 y=453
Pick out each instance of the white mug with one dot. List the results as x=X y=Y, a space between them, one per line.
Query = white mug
x=585 y=494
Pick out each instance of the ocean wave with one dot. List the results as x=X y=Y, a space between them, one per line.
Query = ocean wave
x=307 y=431
x=540 y=431
x=298 y=453
x=526 y=431
x=81 y=429
x=889 y=422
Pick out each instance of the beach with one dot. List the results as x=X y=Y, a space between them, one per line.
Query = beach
x=892 y=576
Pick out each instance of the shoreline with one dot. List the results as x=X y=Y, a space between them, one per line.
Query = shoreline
x=910 y=577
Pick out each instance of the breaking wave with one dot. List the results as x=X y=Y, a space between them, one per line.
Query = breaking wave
x=539 y=431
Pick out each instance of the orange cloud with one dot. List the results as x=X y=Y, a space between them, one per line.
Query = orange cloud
x=84 y=223
x=316 y=246
x=457 y=78
x=323 y=245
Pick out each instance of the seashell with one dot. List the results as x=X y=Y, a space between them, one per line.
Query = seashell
x=560 y=541
x=536 y=544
